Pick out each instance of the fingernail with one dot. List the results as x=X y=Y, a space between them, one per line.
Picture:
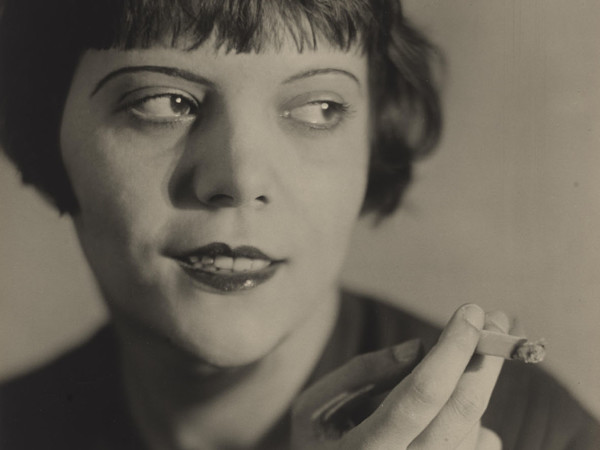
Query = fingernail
x=474 y=315
x=407 y=352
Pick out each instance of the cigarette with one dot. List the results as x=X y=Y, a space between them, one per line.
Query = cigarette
x=511 y=347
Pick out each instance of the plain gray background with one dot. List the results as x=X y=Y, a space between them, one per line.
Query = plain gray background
x=506 y=214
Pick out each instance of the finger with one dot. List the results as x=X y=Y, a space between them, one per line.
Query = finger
x=488 y=440
x=497 y=321
x=469 y=400
x=479 y=438
x=516 y=328
x=470 y=442
x=366 y=373
x=417 y=400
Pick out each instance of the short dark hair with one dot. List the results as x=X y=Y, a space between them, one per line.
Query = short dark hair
x=41 y=42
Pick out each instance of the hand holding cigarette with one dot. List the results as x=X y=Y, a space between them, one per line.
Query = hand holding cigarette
x=434 y=402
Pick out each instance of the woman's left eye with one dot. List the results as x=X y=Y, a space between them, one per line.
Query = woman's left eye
x=319 y=114
x=164 y=107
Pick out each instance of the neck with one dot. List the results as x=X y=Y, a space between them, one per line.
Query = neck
x=178 y=403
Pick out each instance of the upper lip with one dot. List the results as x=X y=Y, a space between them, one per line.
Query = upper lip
x=215 y=249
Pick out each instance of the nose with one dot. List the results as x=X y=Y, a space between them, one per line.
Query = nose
x=229 y=167
x=232 y=180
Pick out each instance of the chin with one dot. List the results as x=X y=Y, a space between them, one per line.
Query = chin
x=227 y=334
x=214 y=330
x=236 y=330
x=203 y=344
x=230 y=347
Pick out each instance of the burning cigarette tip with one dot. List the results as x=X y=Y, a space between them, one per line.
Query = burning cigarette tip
x=530 y=352
x=511 y=347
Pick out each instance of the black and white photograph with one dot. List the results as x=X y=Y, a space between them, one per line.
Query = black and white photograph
x=299 y=225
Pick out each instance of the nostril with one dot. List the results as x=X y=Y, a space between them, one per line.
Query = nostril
x=221 y=200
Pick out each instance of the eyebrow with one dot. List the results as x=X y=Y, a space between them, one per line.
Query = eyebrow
x=171 y=71
x=198 y=79
x=312 y=73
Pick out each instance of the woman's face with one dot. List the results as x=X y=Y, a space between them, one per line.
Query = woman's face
x=217 y=190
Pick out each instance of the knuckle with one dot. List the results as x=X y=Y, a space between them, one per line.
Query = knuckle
x=425 y=391
x=469 y=405
x=464 y=343
x=386 y=418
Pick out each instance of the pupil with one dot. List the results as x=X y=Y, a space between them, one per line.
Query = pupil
x=179 y=105
x=327 y=111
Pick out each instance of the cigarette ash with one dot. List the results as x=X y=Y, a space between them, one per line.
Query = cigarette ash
x=530 y=352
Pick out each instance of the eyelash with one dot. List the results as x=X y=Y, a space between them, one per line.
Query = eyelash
x=137 y=102
x=340 y=108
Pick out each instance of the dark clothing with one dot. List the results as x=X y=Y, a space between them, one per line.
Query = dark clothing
x=77 y=402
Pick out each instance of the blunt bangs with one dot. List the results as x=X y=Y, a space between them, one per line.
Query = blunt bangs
x=41 y=43
x=242 y=26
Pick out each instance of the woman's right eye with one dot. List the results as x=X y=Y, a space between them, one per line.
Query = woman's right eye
x=163 y=107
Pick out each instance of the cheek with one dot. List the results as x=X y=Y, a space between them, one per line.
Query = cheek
x=333 y=200
x=120 y=196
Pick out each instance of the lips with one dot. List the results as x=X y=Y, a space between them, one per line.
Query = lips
x=228 y=270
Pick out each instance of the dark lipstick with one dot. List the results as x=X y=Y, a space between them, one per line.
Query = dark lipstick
x=224 y=269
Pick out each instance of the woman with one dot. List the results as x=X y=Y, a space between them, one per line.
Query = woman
x=214 y=158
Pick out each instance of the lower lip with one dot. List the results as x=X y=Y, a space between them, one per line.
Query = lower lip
x=229 y=282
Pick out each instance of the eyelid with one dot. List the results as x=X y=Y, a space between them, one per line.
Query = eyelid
x=174 y=72
x=132 y=104
x=311 y=97
x=144 y=93
x=341 y=108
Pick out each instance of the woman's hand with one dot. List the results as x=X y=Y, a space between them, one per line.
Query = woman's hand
x=436 y=406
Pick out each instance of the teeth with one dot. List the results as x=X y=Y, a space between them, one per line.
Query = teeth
x=226 y=263
x=258 y=264
x=242 y=264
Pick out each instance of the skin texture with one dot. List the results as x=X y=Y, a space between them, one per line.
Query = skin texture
x=437 y=406
x=170 y=150
x=145 y=189
x=252 y=158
